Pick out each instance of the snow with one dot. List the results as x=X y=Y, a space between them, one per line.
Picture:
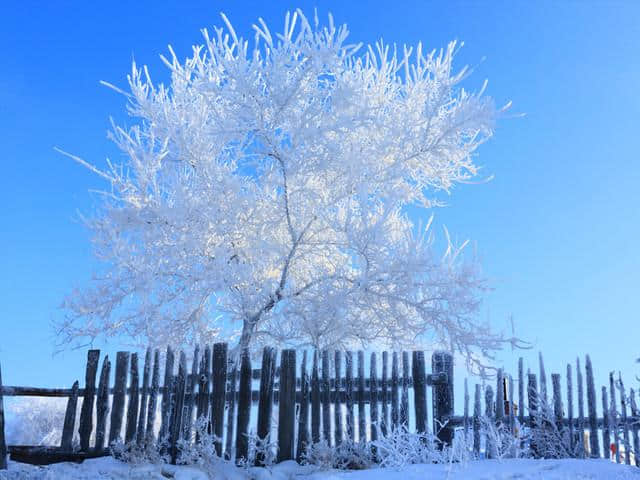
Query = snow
x=521 y=469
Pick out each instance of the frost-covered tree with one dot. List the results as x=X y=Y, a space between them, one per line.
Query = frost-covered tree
x=265 y=192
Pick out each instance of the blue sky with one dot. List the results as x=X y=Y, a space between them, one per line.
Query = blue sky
x=557 y=228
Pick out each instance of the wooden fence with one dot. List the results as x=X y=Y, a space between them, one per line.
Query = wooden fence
x=316 y=401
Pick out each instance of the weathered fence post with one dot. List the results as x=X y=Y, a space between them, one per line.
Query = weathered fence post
x=570 y=407
x=623 y=418
x=142 y=415
x=153 y=398
x=543 y=382
x=190 y=400
x=591 y=405
x=202 y=412
x=165 y=409
x=134 y=399
x=373 y=397
x=605 y=423
x=395 y=409
x=362 y=420
x=477 y=411
x=219 y=393
x=70 y=419
x=581 y=445
x=337 y=408
x=119 y=393
x=86 y=412
x=102 y=406
x=315 y=400
x=286 y=407
x=557 y=400
x=384 y=421
x=404 y=397
x=349 y=395
x=177 y=410
x=489 y=412
x=466 y=409
x=500 y=397
x=521 y=391
x=3 y=442
x=265 y=401
x=244 y=408
x=326 y=398
x=635 y=426
x=613 y=416
x=442 y=362
x=303 y=418
x=532 y=391
x=420 y=391
x=231 y=409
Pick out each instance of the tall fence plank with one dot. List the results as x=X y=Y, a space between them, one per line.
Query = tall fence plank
x=153 y=398
x=635 y=426
x=303 y=418
x=190 y=400
x=613 y=416
x=477 y=412
x=623 y=419
x=395 y=404
x=177 y=408
x=384 y=421
x=144 y=399
x=570 y=406
x=165 y=408
x=134 y=399
x=532 y=391
x=606 y=439
x=373 y=398
x=557 y=400
x=231 y=410
x=420 y=390
x=202 y=410
x=591 y=406
x=326 y=398
x=349 y=395
x=521 y=391
x=102 y=405
x=286 y=407
x=265 y=401
x=499 y=396
x=442 y=362
x=337 y=402
x=404 y=396
x=466 y=409
x=244 y=409
x=580 y=409
x=70 y=419
x=362 y=419
x=489 y=413
x=219 y=373
x=119 y=393
x=86 y=412
x=315 y=400
x=543 y=381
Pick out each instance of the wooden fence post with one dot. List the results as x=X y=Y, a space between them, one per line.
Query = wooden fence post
x=265 y=402
x=337 y=401
x=303 y=418
x=70 y=419
x=466 y=409
x=86 y=412
x=177 y=408
x=134 y=399
x=165 y=408
x=404 y=396
x=477 y=412
x=543 y=382
x=384 y=420
x=3 y=442
x=489 y=412
x=557 y=400
x=634 y=428
x=442 y=362
x=202 y=412
x=119 y=393
x=244 y=408
x=349 y=395
x=315 y=400
x=373 y=398
x=591 y=404
x=219 y=393
x=580 y=408
x=420 y=391
x=153 y=399
x=102 y=406
x=326 y=398
x=606 y=439
x=623 y=419
x=142 y=416
x=395 y=404
x=190 y=400
x=362 y=419
x=499 y=397
x=286 y=407
x=532 y=391
x=570 y=406
x=613 y=416
x=231 y=409
x=521 y=391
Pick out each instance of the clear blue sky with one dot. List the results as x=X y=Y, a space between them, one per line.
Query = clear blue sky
x=557 y=229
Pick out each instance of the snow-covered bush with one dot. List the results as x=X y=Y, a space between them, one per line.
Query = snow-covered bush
x=501 y=440
x=347 y=455
x=548 y=440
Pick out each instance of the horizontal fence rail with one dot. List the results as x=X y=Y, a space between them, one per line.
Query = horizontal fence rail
x=163 y=400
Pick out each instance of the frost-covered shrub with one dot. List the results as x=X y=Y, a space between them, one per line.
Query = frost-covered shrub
x=35 y=420
x=548 y=440
x=347 y=455
x=502 y=442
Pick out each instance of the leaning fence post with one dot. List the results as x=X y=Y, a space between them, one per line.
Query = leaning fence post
x=102 y=405
x=286 y=407
x=265 y=401
x=3 y=442
x=70 y=419
x=119 y=393
x=591 y=404
x=231 y=408
x=134 y=399
x=190 y=400
x=419 y=391
x=86 y=412
x=442 y=362
x=244 y=408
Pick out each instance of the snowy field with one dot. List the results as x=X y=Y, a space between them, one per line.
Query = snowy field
x=108 y=468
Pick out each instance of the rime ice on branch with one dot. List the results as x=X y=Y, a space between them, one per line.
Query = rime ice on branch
x=263 y=192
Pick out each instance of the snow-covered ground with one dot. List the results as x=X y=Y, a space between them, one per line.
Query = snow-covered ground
x=108 y=468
